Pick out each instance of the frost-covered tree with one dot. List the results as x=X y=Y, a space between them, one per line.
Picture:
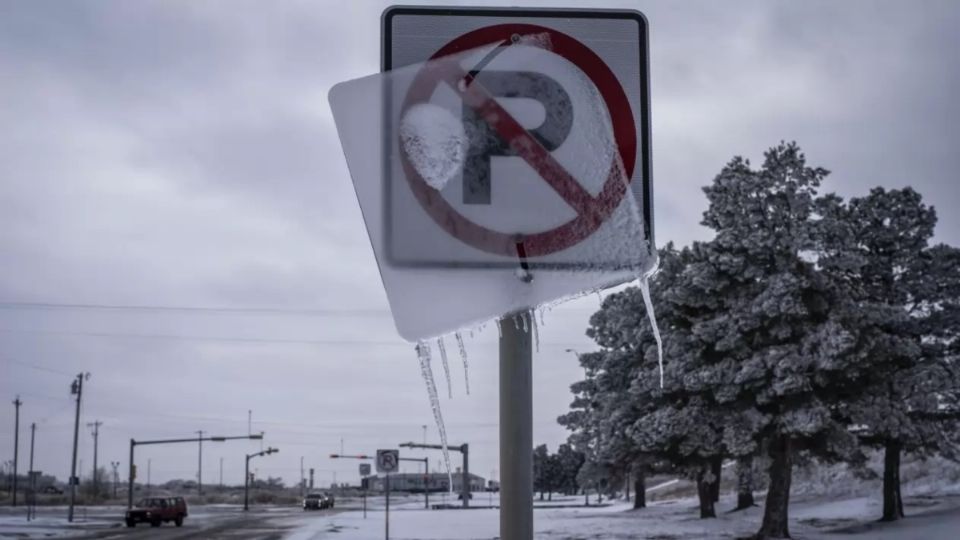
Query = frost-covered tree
x=876 y=250
x=549 y=472
x=777 y=351
x=631 y=424
x=569 y=462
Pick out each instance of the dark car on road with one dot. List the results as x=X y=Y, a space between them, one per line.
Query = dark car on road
x=317 y=501
x=156 y=511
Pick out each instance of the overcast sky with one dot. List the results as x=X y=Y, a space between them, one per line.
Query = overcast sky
x=183 y=155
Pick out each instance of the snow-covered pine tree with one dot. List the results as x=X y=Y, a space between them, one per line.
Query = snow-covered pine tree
x=569 y=461
x=875 y=249
x=777 y=354
x=636 y=424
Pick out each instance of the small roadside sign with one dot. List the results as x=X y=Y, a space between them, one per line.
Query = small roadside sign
x=388 y=461
x=364 y=469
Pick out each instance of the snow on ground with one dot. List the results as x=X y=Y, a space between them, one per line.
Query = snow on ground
x=813 y=519
x=16 y=526
x=47 y=527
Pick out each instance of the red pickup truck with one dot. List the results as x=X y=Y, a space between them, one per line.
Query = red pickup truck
x=157 y=510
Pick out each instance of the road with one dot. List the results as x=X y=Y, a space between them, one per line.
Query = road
x=213 y=522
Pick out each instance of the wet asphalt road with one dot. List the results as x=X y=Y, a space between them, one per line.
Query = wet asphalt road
x=270 y=523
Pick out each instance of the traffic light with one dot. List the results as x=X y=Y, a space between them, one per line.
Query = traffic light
x=133 y=472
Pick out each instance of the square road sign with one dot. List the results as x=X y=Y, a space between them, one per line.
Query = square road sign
x=388 y=461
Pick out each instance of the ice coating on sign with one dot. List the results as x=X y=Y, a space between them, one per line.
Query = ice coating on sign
x=463 y=358
x=421 y=236
x=446 y=366
x=436 y=142
x=423 y=355
x=540 y=40
x=536 y=331
x=652 y=317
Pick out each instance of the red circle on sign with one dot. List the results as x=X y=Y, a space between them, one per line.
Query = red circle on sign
x=591 y=211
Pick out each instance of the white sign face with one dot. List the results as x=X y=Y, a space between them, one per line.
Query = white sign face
x=364 y=469
x=512 y=163
x=388 y=461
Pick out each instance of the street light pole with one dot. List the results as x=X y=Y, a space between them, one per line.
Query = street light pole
x=135 y=443
x=116 y=476
x=426 y=479
x=246 y=475
x=96 y=436
x=465 y=472
x=200 y=463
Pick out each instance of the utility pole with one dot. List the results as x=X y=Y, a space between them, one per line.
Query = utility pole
x=149 y=464
x=200 y=462
x=16 y=445
x=301 y=477
x=221 y=473
x=96 y=435
x=76 y=387
x=116 y=476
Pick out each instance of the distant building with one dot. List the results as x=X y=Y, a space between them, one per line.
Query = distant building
x=417 y=482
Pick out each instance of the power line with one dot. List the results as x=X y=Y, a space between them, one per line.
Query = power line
x=313 y=312
x=37 y=367
x=338 y=342
x=209 y=338
x=319 y=312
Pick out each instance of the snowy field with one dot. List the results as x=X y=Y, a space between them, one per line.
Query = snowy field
x=933 y=518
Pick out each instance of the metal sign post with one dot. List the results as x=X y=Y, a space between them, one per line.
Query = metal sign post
x=387 y=462
x=516 y=432
x=387 y=489
x=364 y=473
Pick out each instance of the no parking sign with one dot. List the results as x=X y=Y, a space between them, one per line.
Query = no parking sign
x=513 y=162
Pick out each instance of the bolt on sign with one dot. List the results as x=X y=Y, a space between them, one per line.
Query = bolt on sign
x=501 y=159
